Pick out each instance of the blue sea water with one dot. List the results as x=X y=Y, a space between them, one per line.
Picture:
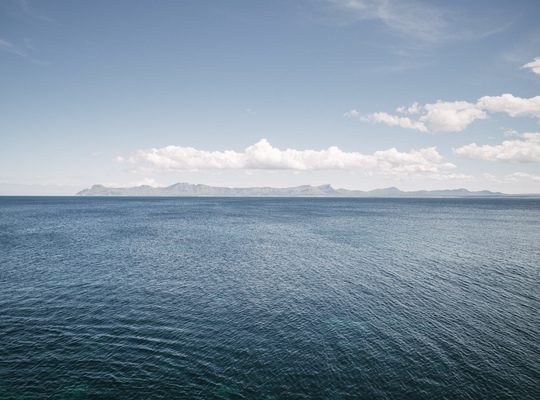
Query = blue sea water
x=267 y=298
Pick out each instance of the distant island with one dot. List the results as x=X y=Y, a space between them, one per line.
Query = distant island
x=190 y=190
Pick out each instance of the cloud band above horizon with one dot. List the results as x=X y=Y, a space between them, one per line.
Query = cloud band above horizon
x=521 y=151
x=262 y=156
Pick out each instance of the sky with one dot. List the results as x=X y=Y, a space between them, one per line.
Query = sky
x=359 y=94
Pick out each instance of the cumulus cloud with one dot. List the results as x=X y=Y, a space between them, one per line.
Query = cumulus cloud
x=415 y=108
x=352 y=113
x=513 y=106
x=451 y=116
x=531 y=137
x=458 y=115
x=522 y=151
x=511 y=132
x=534 y=65
x=393 y=120
x=262 y=156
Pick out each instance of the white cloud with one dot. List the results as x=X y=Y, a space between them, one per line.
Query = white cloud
x=450 y=177
x=524 y=175
x=24 y=5
x=513 y=106
x=511 y=132
x=458 y=115
x=262 y=156
x=11 y=48
x=531 y=137
x=515 y=177
x=522 y=151
x=393 y=120
x=421 y=23
x=352 y=113
x=451 y=116
x=22 y=51
x=534 y=65
x=413 y=109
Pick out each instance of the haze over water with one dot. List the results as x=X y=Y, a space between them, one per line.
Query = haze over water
x=264 y=298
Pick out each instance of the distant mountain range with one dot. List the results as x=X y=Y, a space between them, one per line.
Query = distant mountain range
x=186 y=189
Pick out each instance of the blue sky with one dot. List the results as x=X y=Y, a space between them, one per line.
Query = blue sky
x=360 y=94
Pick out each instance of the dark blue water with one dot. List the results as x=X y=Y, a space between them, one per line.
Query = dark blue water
x=214 y=298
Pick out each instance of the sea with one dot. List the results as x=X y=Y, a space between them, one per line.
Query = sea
x=269 y=298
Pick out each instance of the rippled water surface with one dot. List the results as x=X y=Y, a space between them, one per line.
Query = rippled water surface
x=215 y=298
